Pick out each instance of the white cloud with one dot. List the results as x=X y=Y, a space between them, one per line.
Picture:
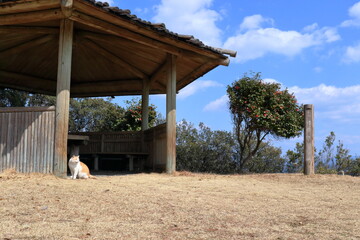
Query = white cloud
x=352 y=54
x=354 y=13
x=254 y=22
x=270 y=80
x=318 y=69
x=259 y=41
x=331 y=102
x=192 y=17
x=195 y=87
x=218 y=104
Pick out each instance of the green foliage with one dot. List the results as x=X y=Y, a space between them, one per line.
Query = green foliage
x=260 y=109
x=132 y=121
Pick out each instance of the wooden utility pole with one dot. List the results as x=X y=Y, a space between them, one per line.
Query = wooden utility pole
x=63 y=97
x=171 y=115
x=309 y=168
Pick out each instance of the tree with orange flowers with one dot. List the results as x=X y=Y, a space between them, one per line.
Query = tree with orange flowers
x=260 y=109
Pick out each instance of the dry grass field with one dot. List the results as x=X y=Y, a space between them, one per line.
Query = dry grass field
x=180 y=206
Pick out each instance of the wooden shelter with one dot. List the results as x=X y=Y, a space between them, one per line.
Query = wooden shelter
x=81 y=48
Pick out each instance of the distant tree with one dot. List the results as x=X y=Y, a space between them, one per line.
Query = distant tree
x=94 y=115
x=261 y=109
x=40 y=100
x=326 y=154
x=12 y=98
x=330 y=159
x=343 y=158
x=203 y=150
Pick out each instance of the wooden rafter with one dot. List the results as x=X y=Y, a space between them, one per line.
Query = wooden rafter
x=26 y=82
x=115 y=59
x=130 y=46
x=27 y=45
x=123 y=32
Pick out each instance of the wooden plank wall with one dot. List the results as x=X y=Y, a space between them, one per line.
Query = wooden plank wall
x=27 y=139
x=155 y=142
x=112 y=143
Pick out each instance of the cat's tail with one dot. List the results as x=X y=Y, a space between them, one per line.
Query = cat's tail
x=91 y=176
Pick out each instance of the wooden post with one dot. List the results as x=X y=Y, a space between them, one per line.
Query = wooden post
x=309 y=168
x=63 y=97
x=171 y=115
x=145 y=105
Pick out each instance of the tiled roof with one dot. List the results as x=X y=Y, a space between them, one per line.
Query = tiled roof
x=159 y=27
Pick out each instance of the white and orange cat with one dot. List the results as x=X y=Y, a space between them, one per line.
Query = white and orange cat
x=78 y=169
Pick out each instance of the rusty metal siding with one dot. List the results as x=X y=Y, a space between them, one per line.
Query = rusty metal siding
x=27 y=139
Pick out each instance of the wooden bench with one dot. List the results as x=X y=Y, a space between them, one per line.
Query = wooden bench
x=129 y=155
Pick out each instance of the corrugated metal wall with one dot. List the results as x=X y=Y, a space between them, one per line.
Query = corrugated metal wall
x=27 y=139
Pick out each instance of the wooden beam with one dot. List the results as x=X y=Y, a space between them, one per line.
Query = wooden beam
x=28 y=6
x=196 y=74
x=114 y=93
x=63 y=97
x=28 y=30
x=171 y=115
x=27 y=83
x=108 y=83
x=30 y=17
x=114 y=58
x=27 y=45
x=123 y=32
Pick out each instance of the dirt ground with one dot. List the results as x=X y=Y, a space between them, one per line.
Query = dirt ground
x=180 y=206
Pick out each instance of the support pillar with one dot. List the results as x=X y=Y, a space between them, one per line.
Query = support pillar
x=145 y=105
x=309 y=168
x=171 y=115
x=63 y=97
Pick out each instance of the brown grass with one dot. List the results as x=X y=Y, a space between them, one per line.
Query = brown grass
x=181 y=206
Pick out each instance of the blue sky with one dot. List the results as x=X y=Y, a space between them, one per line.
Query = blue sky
x=310 y=47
